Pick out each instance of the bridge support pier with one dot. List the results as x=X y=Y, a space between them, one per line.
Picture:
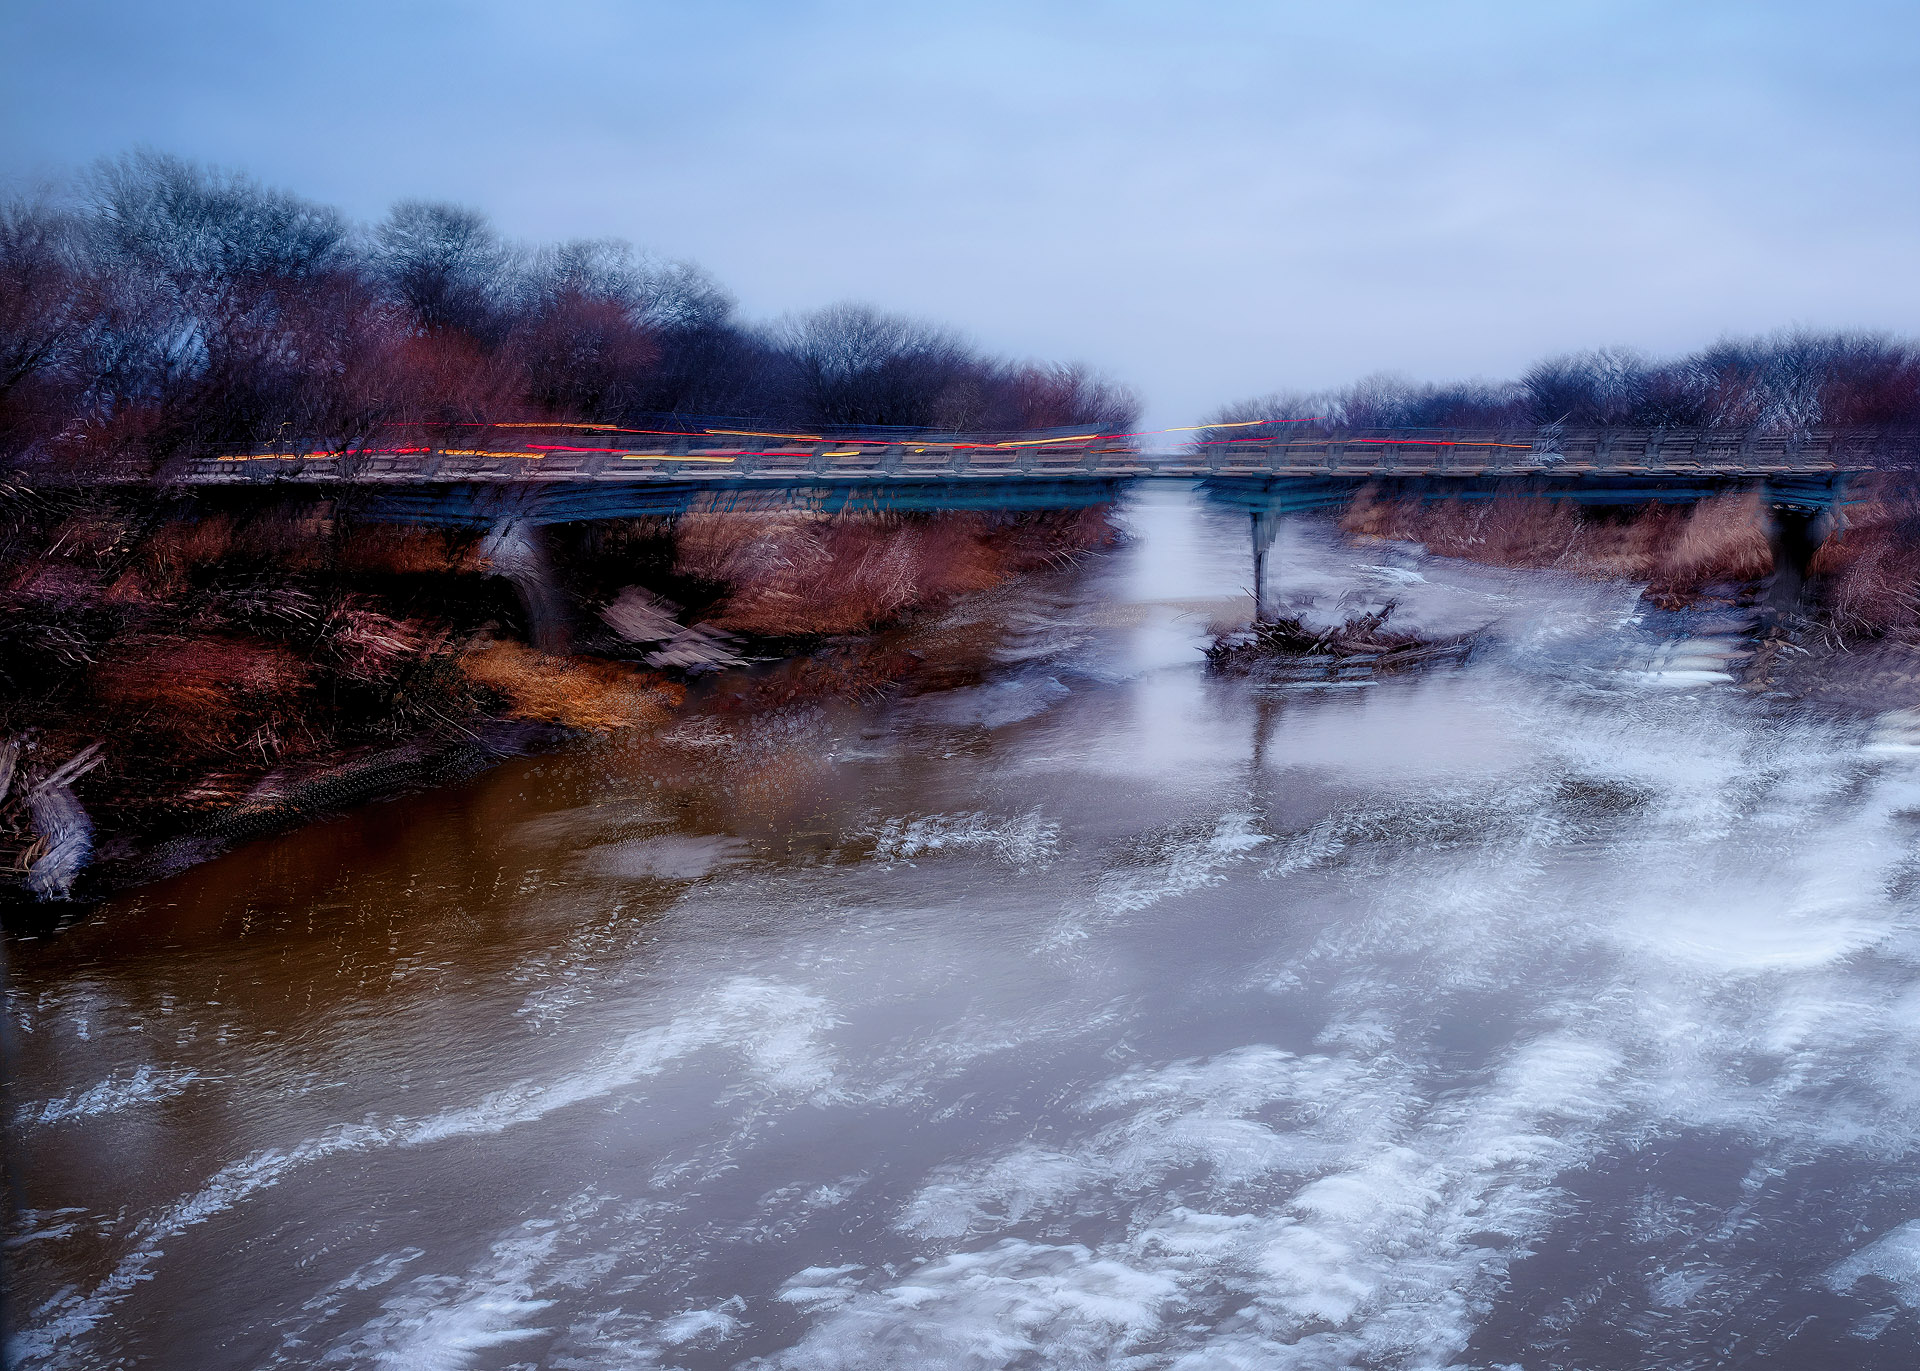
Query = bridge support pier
x=1266 y=527
x=515 y=548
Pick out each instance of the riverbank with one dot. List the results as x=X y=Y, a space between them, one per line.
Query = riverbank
x=181 y=676
x=1848 y=637
x=1861 y=581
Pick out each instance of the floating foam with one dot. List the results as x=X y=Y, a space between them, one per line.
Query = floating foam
x=991 y=706
x=146 y=1085
x=1893 y=1257
x=1896 y=733
x=773 y=1030
x=1547 y=926
x=1190 y=864
x=1023 y=841
x=669 y=857
x=444 y=1323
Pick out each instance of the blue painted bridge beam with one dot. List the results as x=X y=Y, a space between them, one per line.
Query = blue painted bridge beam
x=490 y=505
x=1811 y=493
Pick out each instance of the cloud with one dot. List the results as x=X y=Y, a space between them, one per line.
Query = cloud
x=1220 y=200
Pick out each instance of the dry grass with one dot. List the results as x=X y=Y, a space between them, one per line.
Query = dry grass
x=1869 y=571
x=597 y=697
x=91 y=534
x=202 y=694
x=208 y=652
x=391 y=549
x=1723 y=539
x=1677 y=551
x=369 y=646
x=285 y=541
x=799 y=575
x=175 y=550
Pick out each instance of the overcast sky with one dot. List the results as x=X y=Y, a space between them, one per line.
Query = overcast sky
x=1208 y=201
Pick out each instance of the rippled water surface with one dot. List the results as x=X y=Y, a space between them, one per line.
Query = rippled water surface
x=1558 y=1010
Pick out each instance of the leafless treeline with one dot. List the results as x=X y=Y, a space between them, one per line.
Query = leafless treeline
x=1784 y=381
x=162 y=308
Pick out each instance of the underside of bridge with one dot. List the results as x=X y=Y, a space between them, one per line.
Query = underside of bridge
x=487 y=504
x=1803 y=508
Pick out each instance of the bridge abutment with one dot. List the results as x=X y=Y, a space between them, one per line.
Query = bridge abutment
x=1801 y=515
x=1795 y=536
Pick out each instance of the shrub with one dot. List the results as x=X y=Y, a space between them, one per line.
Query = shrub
x=794 y=575
x=201 y=694
x=1676 y=550
x=399 y=550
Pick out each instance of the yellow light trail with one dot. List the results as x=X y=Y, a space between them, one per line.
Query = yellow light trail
x=755 y=433
x=1037 y=442
x=597 y=428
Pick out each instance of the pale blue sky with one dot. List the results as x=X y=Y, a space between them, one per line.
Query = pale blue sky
x=1208 y=200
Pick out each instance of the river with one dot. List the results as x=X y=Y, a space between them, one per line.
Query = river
x=1561 y=1009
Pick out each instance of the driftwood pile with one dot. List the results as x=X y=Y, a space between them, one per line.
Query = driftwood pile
x=1359 y=646
x=60 y=832
x=652 y=622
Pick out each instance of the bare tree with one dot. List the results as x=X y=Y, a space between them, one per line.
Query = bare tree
x=204 y=230
x=1061 y=395
x=582 y=334
x=851 y=365
x=45 y=314
x=1793 y=379
x=444 y=263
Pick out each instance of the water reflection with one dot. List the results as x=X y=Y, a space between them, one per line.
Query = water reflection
x=1557 y=1009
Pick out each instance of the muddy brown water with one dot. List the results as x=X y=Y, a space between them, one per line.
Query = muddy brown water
x=1561 y=1009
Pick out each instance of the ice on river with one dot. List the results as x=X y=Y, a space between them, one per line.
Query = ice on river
x=1526 y=1013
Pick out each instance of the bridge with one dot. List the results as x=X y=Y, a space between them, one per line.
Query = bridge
x=513 y=480
x=629 y=458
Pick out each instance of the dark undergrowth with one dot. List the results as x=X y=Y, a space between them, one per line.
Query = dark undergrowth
x=169 y=663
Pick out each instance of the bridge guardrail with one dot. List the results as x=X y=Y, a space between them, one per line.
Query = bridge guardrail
x=740 y=458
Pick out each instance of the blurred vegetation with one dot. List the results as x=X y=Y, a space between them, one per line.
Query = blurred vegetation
x=210 y=651
x=157 y=308
x=1793 y=380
